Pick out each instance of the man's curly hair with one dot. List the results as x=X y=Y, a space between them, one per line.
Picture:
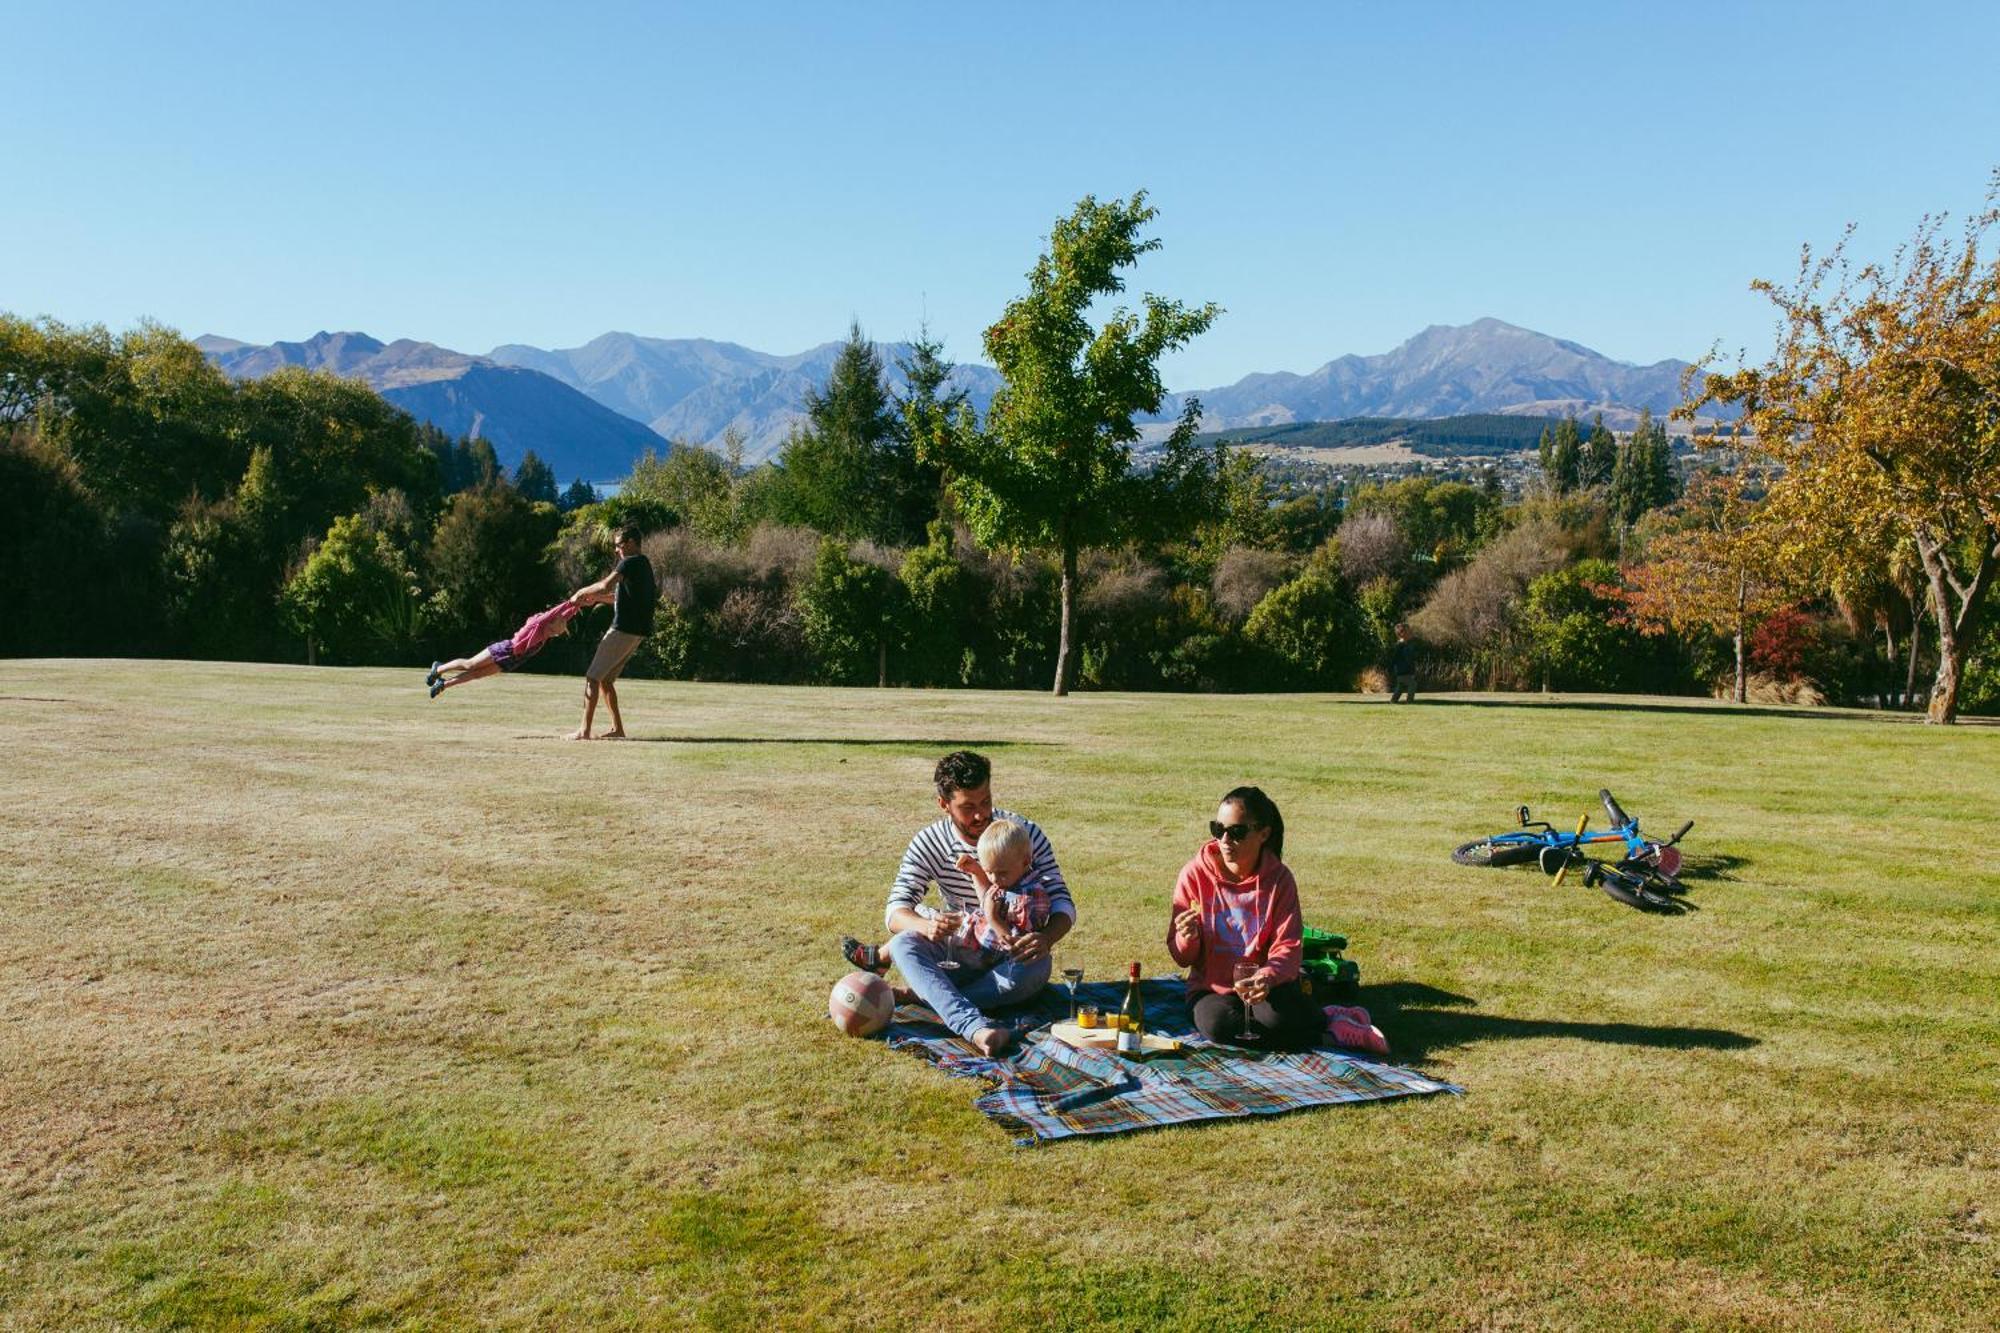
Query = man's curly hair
x=961 y=770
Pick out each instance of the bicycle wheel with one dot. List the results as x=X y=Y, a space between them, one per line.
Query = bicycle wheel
x=1651 y=876
x=1628 y=889
x=1493 y=852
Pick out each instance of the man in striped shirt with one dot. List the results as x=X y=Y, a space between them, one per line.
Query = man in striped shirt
x=945 y=977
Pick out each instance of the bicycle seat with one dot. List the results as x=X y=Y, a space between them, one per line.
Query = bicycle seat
x=1611 y=807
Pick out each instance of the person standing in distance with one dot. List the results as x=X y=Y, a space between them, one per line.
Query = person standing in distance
x=634 y=593
x=1403 y=667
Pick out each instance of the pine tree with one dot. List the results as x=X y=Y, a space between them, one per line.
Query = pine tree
x=534 y=479
x=1643 y=478
x=1562 y=458
x=848 y=467
x=1599 y=455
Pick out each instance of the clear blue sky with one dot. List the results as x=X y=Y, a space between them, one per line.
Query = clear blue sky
x=1336 y=176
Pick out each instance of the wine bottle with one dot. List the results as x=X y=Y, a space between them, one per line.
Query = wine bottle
x=1132 y=1017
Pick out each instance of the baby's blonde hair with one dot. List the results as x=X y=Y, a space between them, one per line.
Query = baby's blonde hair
x=1003 y=837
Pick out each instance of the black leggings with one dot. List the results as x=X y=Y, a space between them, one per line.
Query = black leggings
x=1286 y=1019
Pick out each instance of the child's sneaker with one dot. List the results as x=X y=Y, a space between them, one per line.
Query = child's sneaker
x=867 y=957
x=1349 y=1026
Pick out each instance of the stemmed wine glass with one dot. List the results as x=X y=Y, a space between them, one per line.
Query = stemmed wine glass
x=1246 y=979
x=1073 y=978
x=948 y=963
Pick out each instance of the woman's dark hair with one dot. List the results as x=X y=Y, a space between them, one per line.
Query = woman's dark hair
x=961 y=770
x=1263 y=812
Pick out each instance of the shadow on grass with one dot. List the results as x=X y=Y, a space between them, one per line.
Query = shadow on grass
x=1420 y=1019
x=914 y=743
x=1716 y=866
x=1800 y=714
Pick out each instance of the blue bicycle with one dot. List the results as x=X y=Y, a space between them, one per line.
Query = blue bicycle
x=1646 y=876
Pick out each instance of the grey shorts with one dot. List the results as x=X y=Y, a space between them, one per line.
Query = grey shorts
x=613 y=651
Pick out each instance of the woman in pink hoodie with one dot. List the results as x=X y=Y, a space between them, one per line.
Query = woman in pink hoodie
x=1236 y=903
x=504 y=654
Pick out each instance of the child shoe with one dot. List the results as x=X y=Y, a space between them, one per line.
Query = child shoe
x=1349 y=1026
x=867 y=957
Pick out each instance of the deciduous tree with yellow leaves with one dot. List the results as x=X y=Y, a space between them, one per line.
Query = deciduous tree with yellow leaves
x=1882 y=402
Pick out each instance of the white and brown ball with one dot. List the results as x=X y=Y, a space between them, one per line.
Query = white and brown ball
x=861 y=1004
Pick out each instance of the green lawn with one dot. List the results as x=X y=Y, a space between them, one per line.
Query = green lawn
x=325 y=1005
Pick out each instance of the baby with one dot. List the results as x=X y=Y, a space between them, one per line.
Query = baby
x=1010 y=901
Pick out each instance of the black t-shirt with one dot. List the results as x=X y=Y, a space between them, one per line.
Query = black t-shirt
x=1403 y=658
x=632 y=606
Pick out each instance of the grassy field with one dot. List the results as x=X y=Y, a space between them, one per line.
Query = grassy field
x=324 y=1005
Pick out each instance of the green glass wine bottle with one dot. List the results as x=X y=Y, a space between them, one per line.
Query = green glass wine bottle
x=1132 y=1017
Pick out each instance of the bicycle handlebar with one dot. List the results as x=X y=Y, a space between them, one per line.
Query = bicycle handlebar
x=1682 y=834
x=1611 y=807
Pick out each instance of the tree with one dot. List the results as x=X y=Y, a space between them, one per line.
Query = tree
x=1569 y=621
x=1643 y=479
x=937 y=596
x=848 y=613
x=1471 y=612
x=931 y=414
x=354 y=595
x=1882 y=398
x=1599 y=455
x=1714 y=569
x=534 y=479
x=695 y=485
x=1562 y=456
x=578 y=494
x=1053 y=470
x=1311 y=630
x=486 y=560
x=848 y=469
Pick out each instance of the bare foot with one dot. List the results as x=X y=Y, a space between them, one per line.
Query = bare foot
x=612 y=736
x=578 y=736
x=992 y=1041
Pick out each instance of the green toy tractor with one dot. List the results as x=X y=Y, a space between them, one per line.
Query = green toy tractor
x=1324 y=974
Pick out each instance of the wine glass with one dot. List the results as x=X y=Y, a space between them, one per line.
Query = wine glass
x=949 y=963
x=1073 y=978
x=1246 y=980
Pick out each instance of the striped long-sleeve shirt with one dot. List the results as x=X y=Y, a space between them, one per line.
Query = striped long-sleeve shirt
x=932 y=858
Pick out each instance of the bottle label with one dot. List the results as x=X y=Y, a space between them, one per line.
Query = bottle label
x=1129 y=1042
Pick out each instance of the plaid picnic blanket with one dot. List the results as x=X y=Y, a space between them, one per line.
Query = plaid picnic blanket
x=1044 y=1089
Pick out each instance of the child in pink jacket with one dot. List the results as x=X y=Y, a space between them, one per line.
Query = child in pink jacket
x=504 y=654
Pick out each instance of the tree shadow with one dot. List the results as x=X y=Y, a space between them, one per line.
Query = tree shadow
x=913 y=743
x=1655 y=705
x=1420 y=1019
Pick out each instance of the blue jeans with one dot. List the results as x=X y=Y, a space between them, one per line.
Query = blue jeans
x=963 y=996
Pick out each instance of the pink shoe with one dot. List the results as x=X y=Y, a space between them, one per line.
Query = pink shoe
x=1350 y=1027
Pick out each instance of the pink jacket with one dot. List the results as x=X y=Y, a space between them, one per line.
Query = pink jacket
x=531 y=636
x=1256 y=920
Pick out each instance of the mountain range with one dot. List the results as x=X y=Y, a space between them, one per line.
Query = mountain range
x=589 y=411
x=513 y=409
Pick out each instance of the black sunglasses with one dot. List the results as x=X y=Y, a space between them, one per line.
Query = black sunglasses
x=1233 y=832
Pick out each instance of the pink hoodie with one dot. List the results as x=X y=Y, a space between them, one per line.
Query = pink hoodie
x=1256 y=920
x=528 y=639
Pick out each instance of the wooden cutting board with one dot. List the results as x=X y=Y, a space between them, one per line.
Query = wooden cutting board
x=1106 y=1039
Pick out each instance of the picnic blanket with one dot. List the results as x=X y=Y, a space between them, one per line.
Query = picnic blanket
x=1044 y=1089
